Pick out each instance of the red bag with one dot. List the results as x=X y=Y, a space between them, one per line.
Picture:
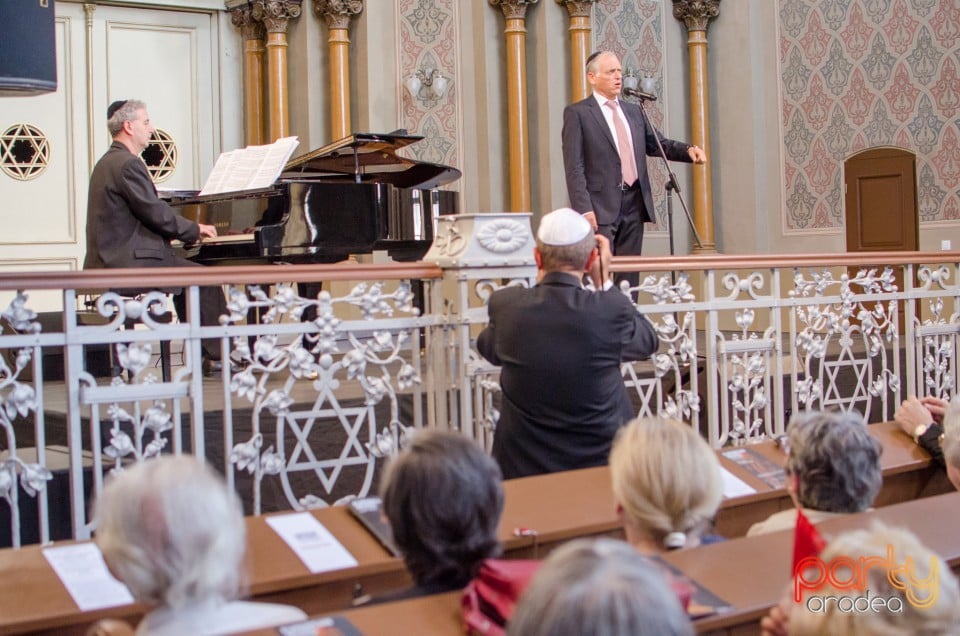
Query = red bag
x=489 y=599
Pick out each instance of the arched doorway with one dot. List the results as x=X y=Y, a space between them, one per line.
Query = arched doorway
x=880 y=196
x=880 y=199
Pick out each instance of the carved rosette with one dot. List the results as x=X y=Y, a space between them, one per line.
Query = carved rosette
x=578 y=8
x=275 y=14
x=242 y=18
x=337 y=13
x=513 y=9
x=482 y=240
x=696 y=13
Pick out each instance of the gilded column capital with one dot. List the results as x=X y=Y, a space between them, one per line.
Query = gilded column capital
x=513 y=9
x=275 y=14
x=241 y=15
x=578 y=8
x=696 y=13
x=337 y=13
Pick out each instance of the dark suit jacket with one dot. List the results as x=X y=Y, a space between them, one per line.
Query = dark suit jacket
x=592 y=162
x=127 y=224
x=560 y=347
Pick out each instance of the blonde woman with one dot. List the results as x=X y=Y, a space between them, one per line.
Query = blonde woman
x=667 y=484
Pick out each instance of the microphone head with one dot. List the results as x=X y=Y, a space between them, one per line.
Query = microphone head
x=633 y=92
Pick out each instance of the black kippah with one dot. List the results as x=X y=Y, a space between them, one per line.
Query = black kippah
x=115 y=106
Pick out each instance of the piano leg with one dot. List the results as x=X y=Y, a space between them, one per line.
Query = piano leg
x=309 y=291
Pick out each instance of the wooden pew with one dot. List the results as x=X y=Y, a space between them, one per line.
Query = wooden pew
x=751 y=574
x=557 y=507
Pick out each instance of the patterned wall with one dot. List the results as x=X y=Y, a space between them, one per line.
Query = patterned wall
x=863 y=73
x=634 y=31
x=428 y=35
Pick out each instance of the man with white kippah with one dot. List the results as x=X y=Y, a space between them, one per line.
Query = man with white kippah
x=559 y=346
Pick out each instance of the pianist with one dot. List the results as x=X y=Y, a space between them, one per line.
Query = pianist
x=129 y=226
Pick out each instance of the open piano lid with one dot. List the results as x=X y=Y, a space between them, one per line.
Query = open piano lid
x=370 y=157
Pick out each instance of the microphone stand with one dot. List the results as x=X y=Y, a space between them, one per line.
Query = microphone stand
x=671 y=185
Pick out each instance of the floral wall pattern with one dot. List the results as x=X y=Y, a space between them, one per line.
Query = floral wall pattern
x=634 y=31
x=863 y=73
x=428 y=36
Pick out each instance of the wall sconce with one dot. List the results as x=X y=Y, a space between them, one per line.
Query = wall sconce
x=427 y=86
x=633 y=81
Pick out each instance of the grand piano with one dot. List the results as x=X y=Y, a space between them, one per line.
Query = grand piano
x=353 y=196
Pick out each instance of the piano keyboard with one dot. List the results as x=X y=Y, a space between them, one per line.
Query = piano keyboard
x=228 y=238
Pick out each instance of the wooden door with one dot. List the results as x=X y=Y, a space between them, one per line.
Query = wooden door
x=881 y=201
x=167 y=59
x=881 y=204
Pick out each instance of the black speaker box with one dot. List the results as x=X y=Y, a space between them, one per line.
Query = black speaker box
x=28 y=47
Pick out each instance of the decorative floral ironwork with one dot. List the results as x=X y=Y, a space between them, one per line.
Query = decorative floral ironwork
x=846 y=320
x=326 y=355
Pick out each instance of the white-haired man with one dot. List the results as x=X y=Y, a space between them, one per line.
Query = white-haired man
x=560 y=347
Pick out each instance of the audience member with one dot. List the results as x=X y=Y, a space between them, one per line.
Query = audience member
x=174 y=534
x=442 y=496
x=934 y=425
x=560 y=347
x=833 y=467
x=598 y=587
x=667 y=484
x=921 y=599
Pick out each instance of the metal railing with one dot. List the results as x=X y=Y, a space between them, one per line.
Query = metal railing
x=327 y=386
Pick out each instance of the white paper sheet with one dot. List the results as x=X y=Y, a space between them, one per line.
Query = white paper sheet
x=312 y=542
x=733 y=486
x=249 y=168
x=82 y=571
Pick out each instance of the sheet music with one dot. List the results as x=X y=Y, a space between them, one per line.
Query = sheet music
x=733 y=486
x=82 y=571
x=249 y=168
x=312 y=542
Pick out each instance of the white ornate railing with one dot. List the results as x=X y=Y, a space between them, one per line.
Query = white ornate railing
x=328 y=385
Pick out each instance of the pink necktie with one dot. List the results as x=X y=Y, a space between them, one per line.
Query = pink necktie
x=628 y=164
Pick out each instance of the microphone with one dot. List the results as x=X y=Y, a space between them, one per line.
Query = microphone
x=633 y=92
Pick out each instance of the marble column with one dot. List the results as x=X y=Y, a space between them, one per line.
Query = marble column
x=337 y=14
x=515 y=11
x=696 y=14
x=275 y=16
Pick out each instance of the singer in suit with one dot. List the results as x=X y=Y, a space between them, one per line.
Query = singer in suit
x=611 y=192
x=560 y=347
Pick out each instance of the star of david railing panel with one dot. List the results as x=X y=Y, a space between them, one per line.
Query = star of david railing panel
x=317 y=392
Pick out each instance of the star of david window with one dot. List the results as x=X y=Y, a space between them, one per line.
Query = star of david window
x=160 y=156
x=24 y=152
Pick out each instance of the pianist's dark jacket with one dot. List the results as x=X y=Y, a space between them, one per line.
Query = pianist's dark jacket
x=127 y=224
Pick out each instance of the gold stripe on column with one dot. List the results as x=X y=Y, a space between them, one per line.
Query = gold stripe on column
x=241 y=15
x=337 y=14
x=516 y=45
x=580 y=44
x=696 y=14
x=276 y=15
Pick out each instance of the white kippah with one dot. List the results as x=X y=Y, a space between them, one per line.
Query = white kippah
x=563 y=227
